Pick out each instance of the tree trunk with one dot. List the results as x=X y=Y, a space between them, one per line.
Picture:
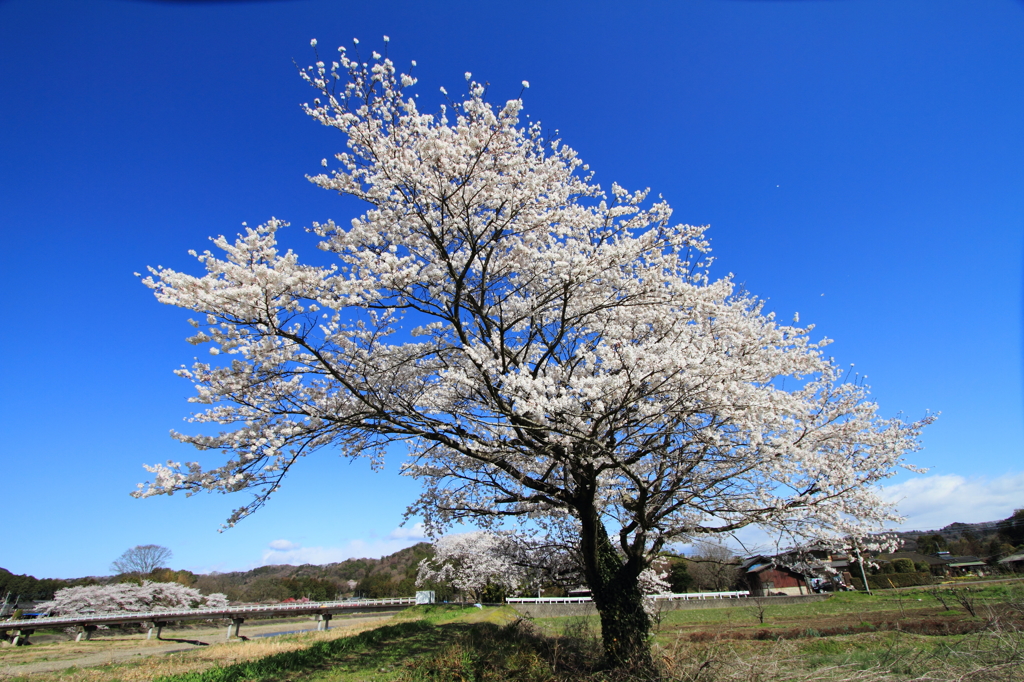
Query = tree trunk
x=615 y=587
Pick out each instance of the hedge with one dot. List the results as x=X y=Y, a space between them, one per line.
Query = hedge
x=882 y=581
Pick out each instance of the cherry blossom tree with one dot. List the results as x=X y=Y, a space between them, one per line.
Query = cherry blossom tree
x=119 y=597
x=474 y=561
x=513 y=562
x=549 y=352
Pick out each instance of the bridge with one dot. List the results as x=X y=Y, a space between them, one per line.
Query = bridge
x=18 y=631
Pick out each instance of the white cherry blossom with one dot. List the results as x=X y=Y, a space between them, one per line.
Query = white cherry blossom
x=472 y=561
x=131 y=597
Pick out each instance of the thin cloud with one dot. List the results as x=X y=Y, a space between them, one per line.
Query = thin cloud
x=288 y=552
x=928 y=502
x=415 y=532
x=931 y=502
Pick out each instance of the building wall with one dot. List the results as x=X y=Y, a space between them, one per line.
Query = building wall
x=772 y=581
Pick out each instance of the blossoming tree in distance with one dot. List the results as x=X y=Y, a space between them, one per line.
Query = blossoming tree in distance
x=120 y=597
x=548 y=351
x=474 y=561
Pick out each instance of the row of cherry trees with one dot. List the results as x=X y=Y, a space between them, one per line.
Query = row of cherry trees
x=130 y=597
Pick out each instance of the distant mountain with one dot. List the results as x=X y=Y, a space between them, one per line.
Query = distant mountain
x=394 y=565
x=369 y=577
x=27 y=587
x=988 y=538
x=395 y=573
x=955 y=530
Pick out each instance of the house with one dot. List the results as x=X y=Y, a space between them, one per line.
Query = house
x=1014 y=562
x=962 y=565
x=766 y=577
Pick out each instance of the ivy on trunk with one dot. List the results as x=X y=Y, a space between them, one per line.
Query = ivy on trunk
x=615 y=588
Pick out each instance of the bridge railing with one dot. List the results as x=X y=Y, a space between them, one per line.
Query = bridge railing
x=87 y=622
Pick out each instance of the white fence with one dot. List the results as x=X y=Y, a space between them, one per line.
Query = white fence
x=701 y=596
x=548 y=600
x=687 y=596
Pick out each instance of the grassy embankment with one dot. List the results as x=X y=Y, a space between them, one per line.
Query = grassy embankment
x=888 y=636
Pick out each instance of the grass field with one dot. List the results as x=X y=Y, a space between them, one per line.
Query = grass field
x=908 y=635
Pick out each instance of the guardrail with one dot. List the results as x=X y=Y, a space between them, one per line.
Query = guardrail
x=548 y=600
x=87 y=622
x=685 y=596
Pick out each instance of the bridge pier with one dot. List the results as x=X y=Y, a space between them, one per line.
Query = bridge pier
x=323 y=621
x=84 y=632
x=155 y=627
x=236 y=624
x=20 y=636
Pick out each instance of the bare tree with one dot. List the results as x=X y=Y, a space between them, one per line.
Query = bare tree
x=758 y=608
x=141 y=559
x=713 y=567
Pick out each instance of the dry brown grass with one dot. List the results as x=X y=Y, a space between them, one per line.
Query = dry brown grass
x=992 y=656
x=138 y=660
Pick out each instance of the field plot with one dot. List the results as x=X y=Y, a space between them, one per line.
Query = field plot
x=889 y=636
x=892 y=635
x=113 y=655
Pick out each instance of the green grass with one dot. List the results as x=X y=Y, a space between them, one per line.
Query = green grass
x=369 y=655
x=848 y=637
x=386 y=653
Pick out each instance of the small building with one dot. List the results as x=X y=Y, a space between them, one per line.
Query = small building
x=1014 y=562
x=765 y=577
x=962 y=565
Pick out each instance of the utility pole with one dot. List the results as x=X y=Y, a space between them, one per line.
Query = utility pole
x=860 y=562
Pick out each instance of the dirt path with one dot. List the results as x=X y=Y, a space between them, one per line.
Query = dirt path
x=54 y=653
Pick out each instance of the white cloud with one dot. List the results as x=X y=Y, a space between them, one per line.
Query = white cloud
x=287 y=552
x=931 y=502
x=415 y=532
x=928 y=502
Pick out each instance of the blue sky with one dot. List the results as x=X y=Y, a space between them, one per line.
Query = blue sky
x=861 y=163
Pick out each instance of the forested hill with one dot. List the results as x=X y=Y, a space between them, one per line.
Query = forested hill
x=989 y=538
x=27 y=587
x=955 y=530
x=389 y=576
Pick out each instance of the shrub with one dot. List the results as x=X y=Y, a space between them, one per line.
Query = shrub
x=888 y=580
